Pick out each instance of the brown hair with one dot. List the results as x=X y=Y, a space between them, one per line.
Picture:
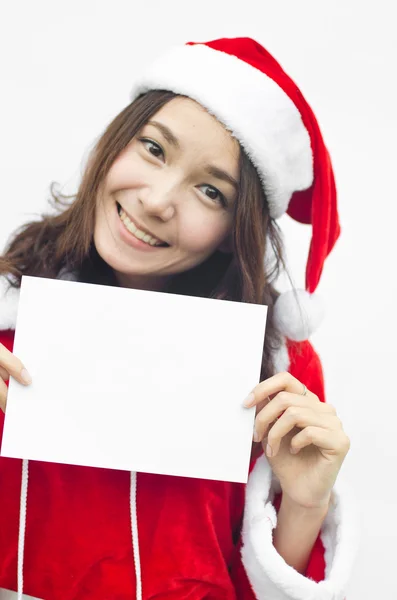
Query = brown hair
x=65 y=240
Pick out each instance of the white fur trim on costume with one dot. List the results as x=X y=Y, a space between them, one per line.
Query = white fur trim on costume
x=270 y=576
x=297 y=314
x=250 y=104
x=9 y=298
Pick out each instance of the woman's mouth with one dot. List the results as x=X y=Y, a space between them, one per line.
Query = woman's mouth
x=140 y=234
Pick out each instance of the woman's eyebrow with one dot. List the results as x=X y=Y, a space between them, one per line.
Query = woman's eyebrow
x=221 y=174
x=210 y=169
x=167 y=133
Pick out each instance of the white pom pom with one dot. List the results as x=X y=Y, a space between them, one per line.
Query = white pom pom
x=297 y=314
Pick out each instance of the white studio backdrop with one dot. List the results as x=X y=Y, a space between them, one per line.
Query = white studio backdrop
x=66 y=72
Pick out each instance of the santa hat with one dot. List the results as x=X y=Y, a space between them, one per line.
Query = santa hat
x=246 y=89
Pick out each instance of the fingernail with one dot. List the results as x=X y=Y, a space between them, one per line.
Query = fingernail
x=26 y=378
x=269 y=451
x=250 y=399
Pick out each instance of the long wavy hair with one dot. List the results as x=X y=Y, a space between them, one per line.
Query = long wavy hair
x=64 y=240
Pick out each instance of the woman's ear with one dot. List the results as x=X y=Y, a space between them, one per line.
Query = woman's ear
x=227 y=245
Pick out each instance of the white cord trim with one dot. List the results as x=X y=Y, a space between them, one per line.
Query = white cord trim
x=22 y=524
x=134 y=531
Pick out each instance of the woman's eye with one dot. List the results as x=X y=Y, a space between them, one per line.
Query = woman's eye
x=154 y=146
x=215 y=195
x=156 y=151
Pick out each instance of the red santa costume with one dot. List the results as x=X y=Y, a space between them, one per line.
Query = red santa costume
x=78 y=533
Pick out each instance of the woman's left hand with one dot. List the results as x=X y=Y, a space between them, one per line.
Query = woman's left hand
x=295 y=419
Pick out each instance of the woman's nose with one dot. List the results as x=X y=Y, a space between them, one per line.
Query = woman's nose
x=158 y=203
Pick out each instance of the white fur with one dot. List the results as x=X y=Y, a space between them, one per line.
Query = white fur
x=250 y=105
x=270 y=576
x=297 y=314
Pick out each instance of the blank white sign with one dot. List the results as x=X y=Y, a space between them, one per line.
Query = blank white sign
x=134 y=380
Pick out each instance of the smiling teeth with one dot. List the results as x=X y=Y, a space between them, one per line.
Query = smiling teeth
x=138 y=233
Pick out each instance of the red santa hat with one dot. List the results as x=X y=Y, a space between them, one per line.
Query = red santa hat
x=246 y=89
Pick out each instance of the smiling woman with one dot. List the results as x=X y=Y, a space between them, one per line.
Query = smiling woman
x=181 y=194
x=162 y=185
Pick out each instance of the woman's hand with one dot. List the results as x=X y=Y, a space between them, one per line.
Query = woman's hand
x=302 y=437
x=10 y=365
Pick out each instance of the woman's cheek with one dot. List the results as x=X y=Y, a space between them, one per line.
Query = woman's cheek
x=124 y=173
x=203 y=234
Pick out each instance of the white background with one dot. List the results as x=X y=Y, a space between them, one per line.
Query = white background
x=66 y=69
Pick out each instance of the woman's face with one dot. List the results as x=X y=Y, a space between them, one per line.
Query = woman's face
x=167 y=201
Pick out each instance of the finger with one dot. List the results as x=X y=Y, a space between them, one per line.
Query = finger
x=275 y=408
x=3 y=395
x=332 y=441
x=262 y=404
x=296 y=416
x=273 y=385
x=4 y=374
x=14 y=366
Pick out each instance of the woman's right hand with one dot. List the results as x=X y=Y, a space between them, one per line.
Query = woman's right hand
x=10 y=366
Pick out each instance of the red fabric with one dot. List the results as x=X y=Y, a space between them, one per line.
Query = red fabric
x=78 y=535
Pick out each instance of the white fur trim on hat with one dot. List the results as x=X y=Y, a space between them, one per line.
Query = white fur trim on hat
x=297 y=314
x=270 y=576
x=250 y=104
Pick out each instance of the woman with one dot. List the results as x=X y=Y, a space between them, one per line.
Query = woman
x=181 y=194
